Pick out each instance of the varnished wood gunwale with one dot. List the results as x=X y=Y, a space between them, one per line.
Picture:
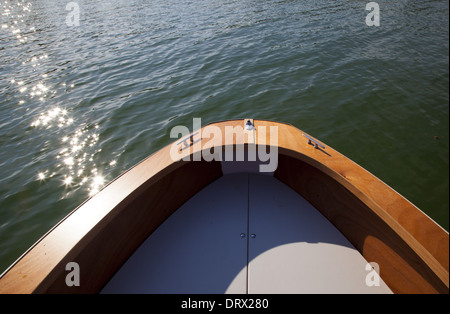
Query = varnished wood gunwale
x=427 y=238
x=403 y=270
x=90 y=234
x=97 y=234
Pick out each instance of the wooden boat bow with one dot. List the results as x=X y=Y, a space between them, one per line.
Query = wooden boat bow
x=100 y=235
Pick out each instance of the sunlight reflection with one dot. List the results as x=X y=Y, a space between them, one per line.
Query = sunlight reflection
x=97 y=183
x=41 y=176
x=77 y=151
x=74 y=144
x=77 y=156
x=67 y=180
x=14 y=15
x=55 y=114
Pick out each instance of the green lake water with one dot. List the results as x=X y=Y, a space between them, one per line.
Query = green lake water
x=83 y=100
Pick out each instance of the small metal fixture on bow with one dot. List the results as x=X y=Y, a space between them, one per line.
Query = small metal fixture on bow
x=185 y=143
x=249 y=125
x=313 y=142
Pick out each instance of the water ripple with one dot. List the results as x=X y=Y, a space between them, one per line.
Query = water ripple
x=78 y=105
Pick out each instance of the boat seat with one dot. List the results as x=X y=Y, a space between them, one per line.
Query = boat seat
x=246 y=233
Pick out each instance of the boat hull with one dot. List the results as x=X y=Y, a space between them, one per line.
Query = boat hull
x=101 y=235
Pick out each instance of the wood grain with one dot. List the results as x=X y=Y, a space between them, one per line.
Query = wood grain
x=411 y=249
x=400 y=267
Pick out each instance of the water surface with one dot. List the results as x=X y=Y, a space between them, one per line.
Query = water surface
x=80 y=104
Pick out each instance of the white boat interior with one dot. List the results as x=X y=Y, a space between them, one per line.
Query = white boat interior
x=297 y=218
x=245 y=233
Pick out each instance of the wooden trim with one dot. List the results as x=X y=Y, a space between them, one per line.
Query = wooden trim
x=102 y=233
x=120 y=233
x=426 y=242
x=427 y=239
x=401 y=267
x=412 y=250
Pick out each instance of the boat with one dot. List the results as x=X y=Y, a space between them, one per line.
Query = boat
x=244 y=207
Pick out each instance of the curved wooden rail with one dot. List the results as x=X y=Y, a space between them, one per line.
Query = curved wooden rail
x=411 y=249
